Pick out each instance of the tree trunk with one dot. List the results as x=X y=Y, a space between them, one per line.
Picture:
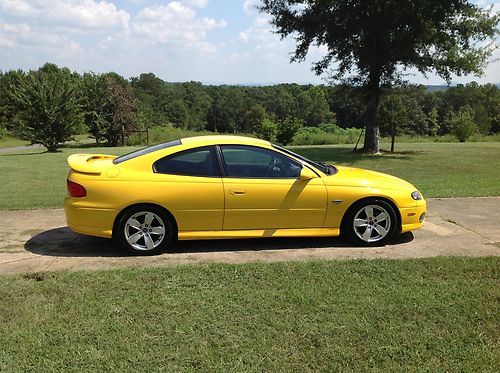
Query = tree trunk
x=372 y=134
x=393 y=140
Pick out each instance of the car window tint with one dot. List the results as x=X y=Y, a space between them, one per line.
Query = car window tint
x=195 y=162
x=146 y=150
x=253 y=162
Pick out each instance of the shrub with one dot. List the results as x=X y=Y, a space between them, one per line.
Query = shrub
x=462 y=123
x=326 y=134
x=287 y=129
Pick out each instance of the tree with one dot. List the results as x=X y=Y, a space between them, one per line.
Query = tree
x=96 y=104
x=393 y=116
x=462 y=123
x=287 y=129
x=122 y=109
x=267 y=130
x=312 y=107
x=48 y=106
x=373 y=39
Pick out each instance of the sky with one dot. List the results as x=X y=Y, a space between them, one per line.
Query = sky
x=212 y=41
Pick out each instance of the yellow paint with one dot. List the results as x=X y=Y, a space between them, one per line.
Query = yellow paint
x=215 y=207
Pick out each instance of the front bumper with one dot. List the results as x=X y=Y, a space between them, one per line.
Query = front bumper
x=413 y=217
x=89 y=220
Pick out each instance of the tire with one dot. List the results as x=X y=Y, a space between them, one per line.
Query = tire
x=144 y=230
x=370 y=223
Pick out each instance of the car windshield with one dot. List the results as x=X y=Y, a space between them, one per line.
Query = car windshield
x=323 y=167
x=146 y=150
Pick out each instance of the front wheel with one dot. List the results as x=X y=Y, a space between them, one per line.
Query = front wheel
x=144 y=230
x=371 y=223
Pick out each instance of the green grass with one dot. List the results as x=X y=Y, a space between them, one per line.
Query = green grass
x=9 y=141
x=437 y=169
x=33 y=179
x=427 y=315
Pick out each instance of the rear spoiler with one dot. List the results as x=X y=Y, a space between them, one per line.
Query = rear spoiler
x=90 y=163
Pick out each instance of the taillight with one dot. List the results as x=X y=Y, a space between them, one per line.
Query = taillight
x=75 y=189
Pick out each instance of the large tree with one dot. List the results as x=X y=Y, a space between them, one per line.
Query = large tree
x=373 y=41
x=48 y=106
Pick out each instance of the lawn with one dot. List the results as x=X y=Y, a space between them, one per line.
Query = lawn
x=33 y=179
x=438 y=314
x=8 y=142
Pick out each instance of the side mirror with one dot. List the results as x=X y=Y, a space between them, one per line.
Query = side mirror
x=306 y=173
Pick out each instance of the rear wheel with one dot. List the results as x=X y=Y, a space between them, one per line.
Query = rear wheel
x=144 y=230
x=371 y=222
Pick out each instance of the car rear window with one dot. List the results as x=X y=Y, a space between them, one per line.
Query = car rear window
x=146 y=150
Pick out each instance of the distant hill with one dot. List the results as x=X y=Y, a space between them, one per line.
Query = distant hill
x=437 y=88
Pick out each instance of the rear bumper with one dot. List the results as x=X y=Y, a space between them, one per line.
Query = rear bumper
x=413 y=217
x=88 y=220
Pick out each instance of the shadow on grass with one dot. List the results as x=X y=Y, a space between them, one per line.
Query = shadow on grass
x=346 y=155
x=84 y=145
x=17 y=154
x=64 y=242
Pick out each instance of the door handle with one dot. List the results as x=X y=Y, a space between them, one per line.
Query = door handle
x=237 y=192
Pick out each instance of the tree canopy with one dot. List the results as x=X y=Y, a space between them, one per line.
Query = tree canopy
x=373 y=41
x=288 y=113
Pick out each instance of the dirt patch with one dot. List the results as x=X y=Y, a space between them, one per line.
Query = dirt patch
x=34 y=241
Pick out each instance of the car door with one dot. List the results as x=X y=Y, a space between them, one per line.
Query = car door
x=192 y=188
x=263 y=190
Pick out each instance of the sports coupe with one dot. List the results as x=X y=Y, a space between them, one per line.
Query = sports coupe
x=232 y=187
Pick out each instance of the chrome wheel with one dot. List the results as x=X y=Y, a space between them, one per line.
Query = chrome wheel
x=372 y=223
x=144 y=231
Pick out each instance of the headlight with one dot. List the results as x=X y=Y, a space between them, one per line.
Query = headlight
x=416 y=195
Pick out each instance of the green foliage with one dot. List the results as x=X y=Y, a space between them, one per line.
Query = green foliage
x=313 y=108
x=267 y=130
x=393 y=117
x=48 y=106
x=122 y=109
x=326 y=134
x=96 y=105
x=253 y=119
x=109 y=106
x=108 y=101
x=375 y=39
x=287 y=128
x=462 y=123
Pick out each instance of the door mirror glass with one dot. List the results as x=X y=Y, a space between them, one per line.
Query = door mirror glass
x=306 y=173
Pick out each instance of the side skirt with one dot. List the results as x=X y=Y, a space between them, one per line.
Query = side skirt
x=259 y=233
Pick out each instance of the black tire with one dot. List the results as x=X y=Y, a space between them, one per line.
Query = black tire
x=139 y=230
x=365 y=230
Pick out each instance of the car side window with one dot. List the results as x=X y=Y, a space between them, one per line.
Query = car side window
x=192 y=162
x=253 y=162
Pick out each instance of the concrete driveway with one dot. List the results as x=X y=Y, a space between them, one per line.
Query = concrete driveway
x=38 y=240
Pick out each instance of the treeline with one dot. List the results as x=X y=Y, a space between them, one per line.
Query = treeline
x=51 y=104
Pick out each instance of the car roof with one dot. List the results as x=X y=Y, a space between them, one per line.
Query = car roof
x=223 y=139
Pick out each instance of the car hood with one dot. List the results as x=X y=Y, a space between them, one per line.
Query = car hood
x=359 y=177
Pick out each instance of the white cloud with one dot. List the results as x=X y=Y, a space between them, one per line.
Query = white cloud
x=250 y=6
x=174 y=24
x=197 y=3
x=75 y=14
x=10 y=33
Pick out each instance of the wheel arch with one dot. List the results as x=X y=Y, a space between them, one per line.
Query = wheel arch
x=360 y=201
x=145 y=204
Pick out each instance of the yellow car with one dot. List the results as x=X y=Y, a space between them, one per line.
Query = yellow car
x=232 y=187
